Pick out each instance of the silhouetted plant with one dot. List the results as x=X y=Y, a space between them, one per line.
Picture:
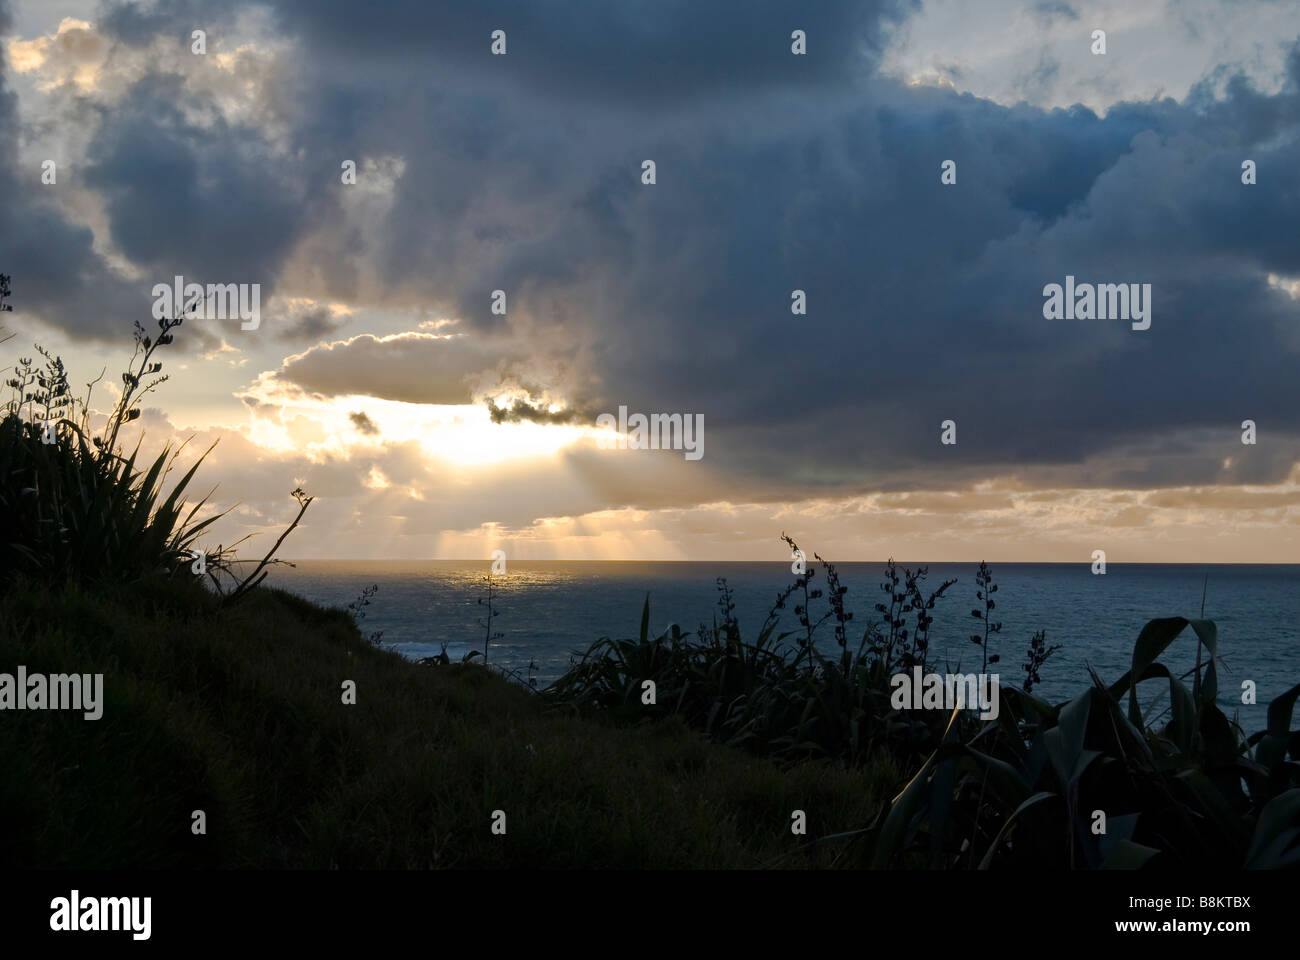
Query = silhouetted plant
x=135 y=387
x=841 y=616
x=1024 y=789
x=919 y=653
x=357 y=610
x=260 y=572
x=486 y=624
x=1038 y=653
x=984 y=592
x=767 y=696
x=803 y=611
x=729 y=632
x=4 y=302
x=441 y=660
x=893 y=615
x=74 y=506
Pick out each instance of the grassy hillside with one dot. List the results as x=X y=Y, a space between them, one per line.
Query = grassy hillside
x=237 y=711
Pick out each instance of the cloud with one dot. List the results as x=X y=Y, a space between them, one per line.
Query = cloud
x=410 y=367
x=672 y=51
x=300 y=319
x=1051 y=9
x=520 y=411
x=363 y=423
x=72 y=55
x=774 y=173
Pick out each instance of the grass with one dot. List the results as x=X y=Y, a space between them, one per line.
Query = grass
x=237 y=711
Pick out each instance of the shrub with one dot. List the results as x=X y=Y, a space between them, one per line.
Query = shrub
x=76 y=507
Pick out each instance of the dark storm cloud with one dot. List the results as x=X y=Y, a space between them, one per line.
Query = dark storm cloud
x=51 y=258
x=209 y=201
x=646 y=50
x=775 y=173
x=925 y=301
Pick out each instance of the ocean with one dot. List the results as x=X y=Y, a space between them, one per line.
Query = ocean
x=549 y=612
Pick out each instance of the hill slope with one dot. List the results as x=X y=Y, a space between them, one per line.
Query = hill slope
x=239 y=713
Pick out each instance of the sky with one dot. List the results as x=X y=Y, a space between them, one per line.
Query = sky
x=433 y=418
